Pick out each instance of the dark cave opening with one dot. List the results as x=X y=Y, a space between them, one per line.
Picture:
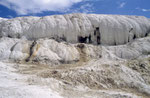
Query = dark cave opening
x=98 y=35
x=134 y=37
x=146 y=34
x=82 y=39
x=98 y=40
x=9 y=36
x=94 y=32
x=97 y=28
x=90 y=41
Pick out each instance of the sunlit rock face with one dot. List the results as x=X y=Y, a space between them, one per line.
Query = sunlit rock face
x=84 y=28
x=74 y=56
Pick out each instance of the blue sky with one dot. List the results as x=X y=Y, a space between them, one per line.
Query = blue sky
x=17 y=8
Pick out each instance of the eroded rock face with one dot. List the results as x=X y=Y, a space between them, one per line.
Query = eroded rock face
x=46 y=51
x=84 y=28
x=66 y=53
x=49 y=51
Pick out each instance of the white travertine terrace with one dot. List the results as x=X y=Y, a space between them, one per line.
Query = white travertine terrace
x=58 y=56
x=109 y=29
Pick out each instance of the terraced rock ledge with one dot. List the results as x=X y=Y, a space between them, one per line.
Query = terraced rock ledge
x=75 y=56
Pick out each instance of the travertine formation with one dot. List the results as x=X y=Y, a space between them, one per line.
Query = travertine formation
x=75 y=55
x=92 y=28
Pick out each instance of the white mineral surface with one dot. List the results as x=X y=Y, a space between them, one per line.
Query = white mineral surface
x=75 y=56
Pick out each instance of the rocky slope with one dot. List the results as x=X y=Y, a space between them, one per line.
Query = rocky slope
x=75 y=56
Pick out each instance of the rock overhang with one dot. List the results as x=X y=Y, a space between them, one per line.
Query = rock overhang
x=74 y=28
